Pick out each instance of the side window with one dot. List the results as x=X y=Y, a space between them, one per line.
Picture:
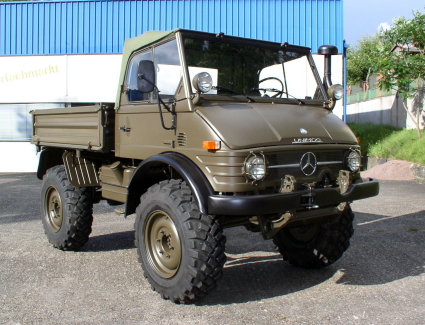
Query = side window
x=132 y=93
x=168 y=68
x=168 y=72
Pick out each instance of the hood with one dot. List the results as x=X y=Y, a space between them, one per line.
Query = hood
x=242 y=126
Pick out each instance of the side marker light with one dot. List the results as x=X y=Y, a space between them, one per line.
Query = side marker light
x=211 y=145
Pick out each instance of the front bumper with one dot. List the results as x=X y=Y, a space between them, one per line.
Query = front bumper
x=252 y=205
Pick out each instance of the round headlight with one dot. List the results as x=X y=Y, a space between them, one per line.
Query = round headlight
x=202 y=82
x=255 y=168
x=354 y=161
x=336 y=91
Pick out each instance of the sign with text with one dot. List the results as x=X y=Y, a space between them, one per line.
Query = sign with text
x=59 y=78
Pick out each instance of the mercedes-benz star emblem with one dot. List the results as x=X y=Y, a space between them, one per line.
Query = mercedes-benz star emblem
x=308 y=163
x=303 y=131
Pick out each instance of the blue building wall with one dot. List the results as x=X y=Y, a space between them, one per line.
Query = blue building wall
x=92 y=27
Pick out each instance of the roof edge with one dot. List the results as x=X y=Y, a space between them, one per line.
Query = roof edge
x=131 y=45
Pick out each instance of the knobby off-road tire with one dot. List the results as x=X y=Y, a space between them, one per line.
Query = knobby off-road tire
x=67 y=211
x=181 y=250
x=316 y=245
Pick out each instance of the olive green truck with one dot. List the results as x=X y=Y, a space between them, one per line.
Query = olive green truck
x=208 y=132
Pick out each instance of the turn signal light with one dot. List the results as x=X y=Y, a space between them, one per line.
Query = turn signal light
x=211 y=145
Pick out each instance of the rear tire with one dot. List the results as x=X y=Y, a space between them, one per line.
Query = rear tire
x=316 y=245
x=67 y=211
x=181 y=250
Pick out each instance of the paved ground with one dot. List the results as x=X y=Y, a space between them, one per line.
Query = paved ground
x=380 y=280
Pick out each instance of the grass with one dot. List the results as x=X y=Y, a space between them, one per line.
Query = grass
x=385 y=141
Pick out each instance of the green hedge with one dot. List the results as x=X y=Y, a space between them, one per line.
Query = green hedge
x=386 y=141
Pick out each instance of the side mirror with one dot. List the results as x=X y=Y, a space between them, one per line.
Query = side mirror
x=146 y=76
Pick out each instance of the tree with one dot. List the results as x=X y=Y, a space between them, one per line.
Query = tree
x=359 y=63
x=400 y=60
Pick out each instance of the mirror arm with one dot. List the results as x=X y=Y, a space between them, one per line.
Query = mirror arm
x=172 y=111
x=161 y=102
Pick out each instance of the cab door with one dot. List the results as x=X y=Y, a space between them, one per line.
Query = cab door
x=139 y=130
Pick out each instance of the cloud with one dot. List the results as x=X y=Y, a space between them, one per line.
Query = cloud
x=384 y=27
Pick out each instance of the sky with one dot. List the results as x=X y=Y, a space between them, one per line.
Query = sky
x=363 y=17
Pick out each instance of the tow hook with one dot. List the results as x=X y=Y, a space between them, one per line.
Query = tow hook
x=288 y=184
x=343 y=181
x=309 y=197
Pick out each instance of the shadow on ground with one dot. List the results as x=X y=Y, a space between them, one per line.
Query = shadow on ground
x=385 y=249
x=110 y=242
x=20 y=197
x=374 y=257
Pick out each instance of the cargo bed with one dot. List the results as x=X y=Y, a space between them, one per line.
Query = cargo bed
x=83 y=127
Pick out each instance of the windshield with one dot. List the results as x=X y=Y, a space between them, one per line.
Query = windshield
x=250 y=70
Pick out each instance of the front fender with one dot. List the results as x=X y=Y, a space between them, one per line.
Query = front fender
x=190 y=173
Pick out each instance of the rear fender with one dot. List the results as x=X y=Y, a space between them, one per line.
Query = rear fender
x=49 y=158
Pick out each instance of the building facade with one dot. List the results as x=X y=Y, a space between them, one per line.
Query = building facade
x=63 y=53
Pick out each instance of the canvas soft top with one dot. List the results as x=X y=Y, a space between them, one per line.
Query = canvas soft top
x=133 y=44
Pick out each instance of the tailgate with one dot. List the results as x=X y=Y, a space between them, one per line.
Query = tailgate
x=83 y=127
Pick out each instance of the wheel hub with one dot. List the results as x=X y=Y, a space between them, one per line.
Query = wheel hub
x=53 y=209
x=162 y=244
x=303 y=235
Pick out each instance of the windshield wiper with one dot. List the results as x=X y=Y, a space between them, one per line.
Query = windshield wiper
x=231 y=91
x=278 y=92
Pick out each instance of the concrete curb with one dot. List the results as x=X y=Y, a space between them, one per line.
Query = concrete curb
x=373 y=161
x=417 y=170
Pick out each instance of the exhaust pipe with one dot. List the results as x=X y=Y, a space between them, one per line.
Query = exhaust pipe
x=335 y=92
x=327 y=51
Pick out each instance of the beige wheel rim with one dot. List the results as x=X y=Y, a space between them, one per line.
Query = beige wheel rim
x=162 y=244
x=53 y=209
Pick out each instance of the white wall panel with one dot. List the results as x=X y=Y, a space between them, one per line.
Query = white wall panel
x=59 y=78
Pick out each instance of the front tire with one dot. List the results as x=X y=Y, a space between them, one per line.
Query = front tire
x=67 y=211
x=181 y=250
x=316 y=245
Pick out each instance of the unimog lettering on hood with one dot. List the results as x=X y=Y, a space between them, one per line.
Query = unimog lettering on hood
x=307 y=140
x=208 y=132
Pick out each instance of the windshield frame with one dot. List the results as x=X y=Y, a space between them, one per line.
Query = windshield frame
x=183 y=34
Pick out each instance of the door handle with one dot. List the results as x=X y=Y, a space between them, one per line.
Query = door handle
x=125 y=129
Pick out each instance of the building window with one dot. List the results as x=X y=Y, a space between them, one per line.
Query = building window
x=16 y=121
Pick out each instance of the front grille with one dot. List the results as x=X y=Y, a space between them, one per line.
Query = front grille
x=331 y=160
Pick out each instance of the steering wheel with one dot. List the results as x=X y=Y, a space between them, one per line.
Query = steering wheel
x=277 y=91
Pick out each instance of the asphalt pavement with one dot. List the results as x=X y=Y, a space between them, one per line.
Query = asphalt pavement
x=379 y=280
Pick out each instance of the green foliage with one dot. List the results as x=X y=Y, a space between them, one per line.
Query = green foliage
x=403 y=145
x=399 y=57
x=399 y=60
x=371 y=134
x=385 y=141
x=360 y=60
